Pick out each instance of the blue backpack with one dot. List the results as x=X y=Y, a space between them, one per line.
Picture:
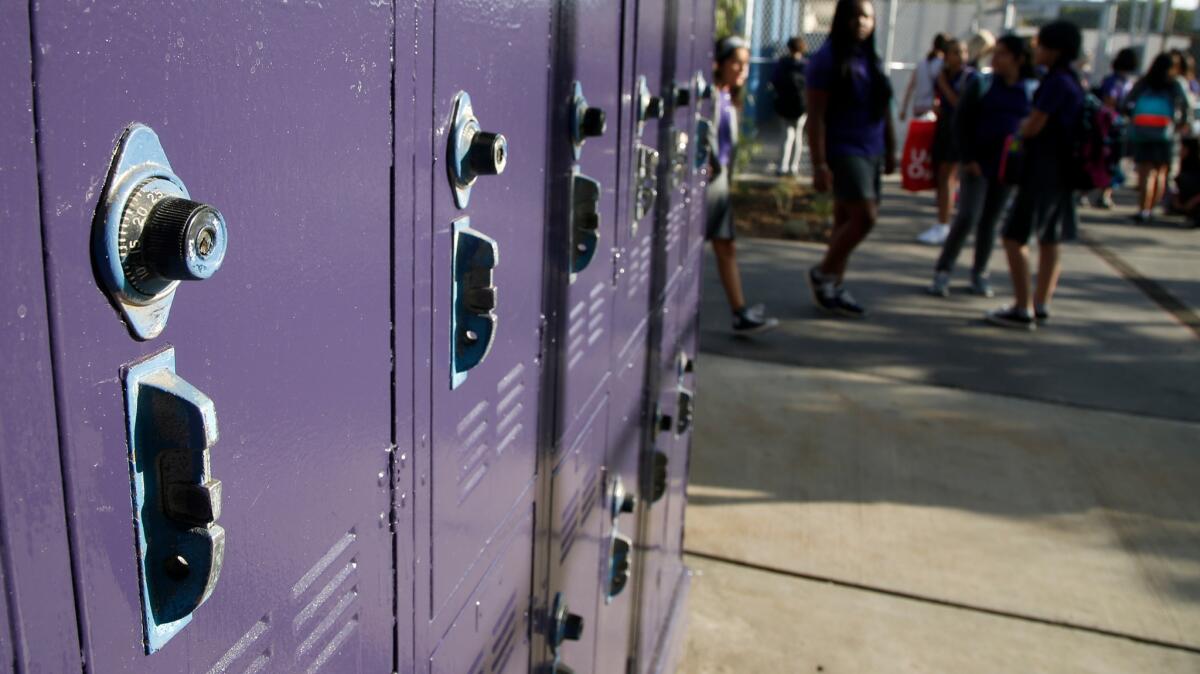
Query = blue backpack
x=1153 y=116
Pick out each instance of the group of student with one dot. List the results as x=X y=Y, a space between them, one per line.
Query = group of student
x=1031 y=97
x=852 y=144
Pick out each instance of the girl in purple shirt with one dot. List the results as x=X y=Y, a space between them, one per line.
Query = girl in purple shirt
x=729 y=76
x=1045 y=201
x=990 y=111
x=851 y=141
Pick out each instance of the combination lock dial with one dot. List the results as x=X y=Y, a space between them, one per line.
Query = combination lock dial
x=165 y=238
x=149 y=235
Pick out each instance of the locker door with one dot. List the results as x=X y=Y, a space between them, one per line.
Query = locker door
x=654 y=594
x=636 y=236
x=577 y=551
x=588 y=34
x=679 y=139
x=36 y=584
x=277 y=115
x=483 y=401
x=702 y=97
x=627 y=402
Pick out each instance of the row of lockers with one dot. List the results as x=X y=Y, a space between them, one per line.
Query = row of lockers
x=414 y=393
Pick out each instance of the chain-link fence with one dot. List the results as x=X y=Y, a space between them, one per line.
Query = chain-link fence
x=905 y=30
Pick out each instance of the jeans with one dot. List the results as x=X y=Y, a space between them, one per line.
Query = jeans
x=981 y=202
x=793 y=145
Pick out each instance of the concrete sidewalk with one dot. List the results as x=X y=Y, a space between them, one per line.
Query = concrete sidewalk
x=919 y=492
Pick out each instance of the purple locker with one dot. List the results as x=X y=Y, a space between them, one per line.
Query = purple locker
x=627 y=411
x=37 y=608
x=590 y=30
x=280 y=117
x=635 y=236
x=477 y=434
x=577 y=561
x=655 y=586
x=703 y=112
x=678 y=141
x=490 y=635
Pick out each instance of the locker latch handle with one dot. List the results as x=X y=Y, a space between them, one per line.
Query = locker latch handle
x=181 y=548
x=685 y=411
x=473 y=315
x=585 y=221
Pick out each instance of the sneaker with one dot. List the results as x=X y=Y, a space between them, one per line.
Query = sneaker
x=1140 y=217
x=941 y=284
x=1041 y=315
x=747 y=323
x=982 y=287
x=845 y=304
x=824 y=292
x=935 y=235
x=1011 y=317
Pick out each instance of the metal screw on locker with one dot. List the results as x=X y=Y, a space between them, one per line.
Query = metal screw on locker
x=149 y=235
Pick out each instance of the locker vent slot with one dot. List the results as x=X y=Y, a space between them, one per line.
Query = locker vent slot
x=327 y=597
x=585 y=325
x=577 y=512
x=570 y=525
x=639 y=267
x=511 y=390
x=472 y=449
x=504 y=635
x=243 y=646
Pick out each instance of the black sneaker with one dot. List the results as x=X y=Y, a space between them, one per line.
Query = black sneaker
x=747 y=323
x=1140 y=218
x=1011 y=317
x=845 y=304
x=824 y=292
x=1041 y=315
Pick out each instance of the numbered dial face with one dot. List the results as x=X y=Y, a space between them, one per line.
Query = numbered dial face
x=165 y=238
x=131 y=243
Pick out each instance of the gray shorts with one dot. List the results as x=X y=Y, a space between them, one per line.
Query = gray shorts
x=719 y=209
x=1045 y=210
x=857 y=178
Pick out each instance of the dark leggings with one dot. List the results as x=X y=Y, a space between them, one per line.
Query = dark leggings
x=981 y=202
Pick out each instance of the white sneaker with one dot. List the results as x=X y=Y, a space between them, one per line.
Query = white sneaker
x=935 y=235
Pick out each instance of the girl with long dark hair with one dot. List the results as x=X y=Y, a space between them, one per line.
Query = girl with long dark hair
x=851 y=141
x=729 y=76
x=1045 y=201
x=1158 y=107
x=990 y=110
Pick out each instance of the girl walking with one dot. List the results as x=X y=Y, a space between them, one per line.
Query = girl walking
x=851 y=141
x=729 y=76
x=1045 y=197
x=990 y=111
x=1158 y=107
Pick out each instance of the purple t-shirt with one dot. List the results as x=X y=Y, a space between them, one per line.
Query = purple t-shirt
x=959 y=84
x=1000 y=113
x=850 y=127
x=1116 y=86
x=726 y=135
x=1060 y=97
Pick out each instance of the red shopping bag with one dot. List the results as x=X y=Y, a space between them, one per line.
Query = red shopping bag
x=916 y=163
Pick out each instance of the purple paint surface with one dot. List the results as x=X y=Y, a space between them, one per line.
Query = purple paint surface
x=279 y=116
x=33 y=531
